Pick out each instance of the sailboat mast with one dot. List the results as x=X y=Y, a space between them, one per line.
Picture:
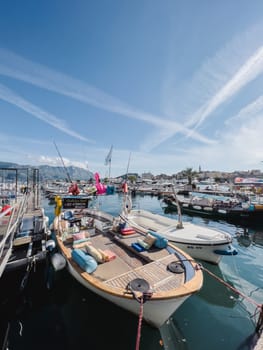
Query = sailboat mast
x=128 y=165
x=63 y=163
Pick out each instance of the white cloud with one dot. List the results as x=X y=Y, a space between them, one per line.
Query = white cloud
x=16 y=67
x=252 y=68
x=9 y=96
x=254 y=109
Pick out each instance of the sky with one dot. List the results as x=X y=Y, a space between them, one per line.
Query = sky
x=168 y=84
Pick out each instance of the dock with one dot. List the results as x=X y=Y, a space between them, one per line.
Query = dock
x=23 y=228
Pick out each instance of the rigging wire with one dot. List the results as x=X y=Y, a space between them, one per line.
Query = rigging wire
x=69 y=178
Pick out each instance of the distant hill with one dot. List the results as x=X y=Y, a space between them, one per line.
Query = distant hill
x=46 y=172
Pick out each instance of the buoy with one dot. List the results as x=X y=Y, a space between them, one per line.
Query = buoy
x=50 y=245
x=58 y=261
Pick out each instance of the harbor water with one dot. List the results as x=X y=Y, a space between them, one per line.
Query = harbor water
x=55 y=312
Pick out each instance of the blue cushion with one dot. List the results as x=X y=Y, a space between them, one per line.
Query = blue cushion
x=137 y=247
x=160 y=242
x=68 y=215
x=85 y=261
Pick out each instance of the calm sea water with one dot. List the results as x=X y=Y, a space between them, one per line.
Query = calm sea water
x=67 y=315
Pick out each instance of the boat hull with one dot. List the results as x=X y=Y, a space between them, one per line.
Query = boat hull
x=201 y=243
x=235 y=215
x=155 y=312
x=209 y=253
x=115 y=279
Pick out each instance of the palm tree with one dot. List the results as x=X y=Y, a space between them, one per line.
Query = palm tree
x=190 y=174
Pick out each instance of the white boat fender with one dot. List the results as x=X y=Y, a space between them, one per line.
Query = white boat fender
x=58 y=261
x=49 y=233
x=50 y=245
x=176 y=267
x=230 y=251
x=46 y=220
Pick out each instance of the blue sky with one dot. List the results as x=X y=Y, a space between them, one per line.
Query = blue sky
x=170 y=84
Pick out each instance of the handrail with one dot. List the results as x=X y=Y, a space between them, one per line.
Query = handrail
x=17 y=211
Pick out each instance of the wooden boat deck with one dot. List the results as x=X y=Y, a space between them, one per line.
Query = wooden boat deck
x=129 y=264
x=155 y=273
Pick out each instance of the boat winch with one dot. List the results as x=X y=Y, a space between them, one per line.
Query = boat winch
x=176 y=267
x=142 y=286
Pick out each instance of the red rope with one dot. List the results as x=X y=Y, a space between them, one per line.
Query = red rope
x=139 y=324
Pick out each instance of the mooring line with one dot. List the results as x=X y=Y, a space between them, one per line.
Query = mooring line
x=259 y=325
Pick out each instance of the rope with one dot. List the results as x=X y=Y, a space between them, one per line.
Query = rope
x=30 y=265
x=146 y=295
x=21 y=328
x=139 y=324
x=232 y=288
x=259 y=326
x=258 y=306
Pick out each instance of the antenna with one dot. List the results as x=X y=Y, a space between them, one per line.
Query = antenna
x=63 y=163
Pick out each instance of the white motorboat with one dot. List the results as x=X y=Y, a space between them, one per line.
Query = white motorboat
x=200 y=242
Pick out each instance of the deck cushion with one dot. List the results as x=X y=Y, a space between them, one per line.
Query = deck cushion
x=85 y=261
x=160 y=242
x=149 y=240
x=107 y=254
x=142 y=243
x=127 y=231
x=91 y=250
x=137 y=247
x=79 y=235
x=80 y=238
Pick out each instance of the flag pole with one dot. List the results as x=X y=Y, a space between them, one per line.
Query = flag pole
x=109 y=168
x=128 y=165
x=108 y=160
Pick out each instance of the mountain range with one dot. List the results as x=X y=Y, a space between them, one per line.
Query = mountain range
x=46 y=172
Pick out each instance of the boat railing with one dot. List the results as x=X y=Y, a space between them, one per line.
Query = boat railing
x=10 y=220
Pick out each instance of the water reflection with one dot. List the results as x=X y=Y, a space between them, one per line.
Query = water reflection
x=247 y=236
x=172 y=336
x=215 y=292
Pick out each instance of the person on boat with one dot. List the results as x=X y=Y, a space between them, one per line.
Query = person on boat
x=74 y=189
